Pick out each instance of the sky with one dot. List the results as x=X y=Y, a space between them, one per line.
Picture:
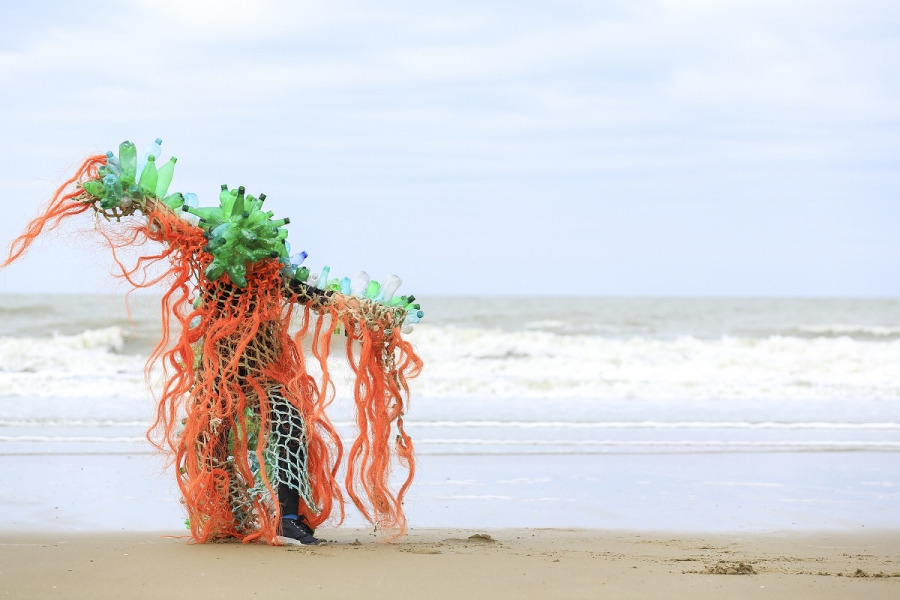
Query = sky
x=665 y=148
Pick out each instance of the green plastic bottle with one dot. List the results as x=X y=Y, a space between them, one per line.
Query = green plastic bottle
x=248 y=236
x=237 y=273
x=302 y=274
x=252 y=204
x=128 y=162
x=174 y=201
x=225 y=200
x=207 y=212
x=164 y=177
x=149 y=177
x=372 y=289
x=237 y=208
x=259 y=219
x=214 y=270
x=94 y=188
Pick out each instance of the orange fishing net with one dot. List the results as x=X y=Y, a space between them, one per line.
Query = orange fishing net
x=239 y=412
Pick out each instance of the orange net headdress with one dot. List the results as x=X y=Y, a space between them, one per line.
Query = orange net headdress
x=239 y=412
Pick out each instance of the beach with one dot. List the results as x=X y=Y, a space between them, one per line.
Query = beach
x=458 y=563
x=623 y=447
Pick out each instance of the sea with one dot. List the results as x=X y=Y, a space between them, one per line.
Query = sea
x=688 y=414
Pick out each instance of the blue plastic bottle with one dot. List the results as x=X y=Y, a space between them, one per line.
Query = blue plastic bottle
x=413 y=316
x=322 y=281
x=113 y=163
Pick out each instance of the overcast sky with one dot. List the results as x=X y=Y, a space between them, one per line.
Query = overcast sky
x=628 y=148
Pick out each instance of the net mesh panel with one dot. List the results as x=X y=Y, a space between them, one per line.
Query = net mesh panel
x=284 y=462
x=285 y=451
x=239 y=413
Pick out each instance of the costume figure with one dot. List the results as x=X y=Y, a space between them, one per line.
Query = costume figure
x=255 y=454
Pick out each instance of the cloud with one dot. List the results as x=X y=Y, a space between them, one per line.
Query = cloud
x=592 y=110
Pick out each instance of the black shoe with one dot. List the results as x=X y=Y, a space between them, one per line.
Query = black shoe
x=298 y=530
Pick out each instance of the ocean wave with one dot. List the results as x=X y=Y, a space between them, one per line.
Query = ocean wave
x=69 y=439
x=63 y=422
x=876 y=331
x=811 y=444
x=523 y=364
x=539 y=364
x=412 y=423
x=84 y=364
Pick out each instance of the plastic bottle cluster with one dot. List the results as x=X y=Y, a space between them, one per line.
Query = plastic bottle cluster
x=239 y=230
x=362 y=286
x=125 y=178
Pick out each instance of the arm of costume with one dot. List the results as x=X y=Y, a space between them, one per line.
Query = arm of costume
x=231 y=350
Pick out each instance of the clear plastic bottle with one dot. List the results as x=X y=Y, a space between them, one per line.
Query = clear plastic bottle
x=298 y=258
x=345 y=286
x=388 y=288
x=358 y=284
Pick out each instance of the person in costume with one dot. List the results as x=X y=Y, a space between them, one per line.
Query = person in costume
x=255 y=454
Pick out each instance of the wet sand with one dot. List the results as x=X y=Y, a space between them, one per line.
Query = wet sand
x=457 y=563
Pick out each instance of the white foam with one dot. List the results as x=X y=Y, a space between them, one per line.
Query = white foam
x=490 y=363
x=809 y=444
x=537 y=364
x=85 y=364
x=77 y=439
x=850 y=330
x=72 y=423
x=645 y=425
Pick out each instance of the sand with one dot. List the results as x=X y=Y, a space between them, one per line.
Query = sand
x=456 y=563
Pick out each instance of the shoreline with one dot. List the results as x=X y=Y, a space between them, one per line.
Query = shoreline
x=456 y=562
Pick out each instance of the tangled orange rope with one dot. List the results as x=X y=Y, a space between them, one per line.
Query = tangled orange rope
x=224 y=349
